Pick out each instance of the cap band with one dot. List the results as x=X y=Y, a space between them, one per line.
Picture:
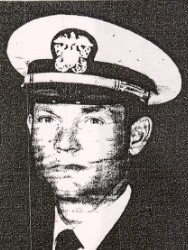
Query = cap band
x=89 y=80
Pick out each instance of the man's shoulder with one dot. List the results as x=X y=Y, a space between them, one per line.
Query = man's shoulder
x=130 y=231
x=146 y=227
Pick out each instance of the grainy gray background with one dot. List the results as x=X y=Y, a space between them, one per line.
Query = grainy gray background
x=160 y=173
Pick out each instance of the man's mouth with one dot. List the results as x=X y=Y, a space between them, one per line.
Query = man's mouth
x=75 y=167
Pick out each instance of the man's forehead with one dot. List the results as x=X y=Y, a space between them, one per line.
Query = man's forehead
x=77 y=107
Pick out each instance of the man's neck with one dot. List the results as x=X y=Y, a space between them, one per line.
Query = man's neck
x=75 y=212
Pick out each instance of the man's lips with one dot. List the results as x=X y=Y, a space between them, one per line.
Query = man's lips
x=75 y=167
x=58 y=166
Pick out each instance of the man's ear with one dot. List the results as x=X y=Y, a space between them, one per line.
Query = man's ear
x=29 y=122
x=140 y=133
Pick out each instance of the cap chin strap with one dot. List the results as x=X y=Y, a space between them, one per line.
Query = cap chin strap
x=89 y=80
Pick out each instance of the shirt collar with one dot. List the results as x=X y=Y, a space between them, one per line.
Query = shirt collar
x=96 y=224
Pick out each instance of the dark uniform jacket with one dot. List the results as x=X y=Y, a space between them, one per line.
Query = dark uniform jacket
x=144 y=225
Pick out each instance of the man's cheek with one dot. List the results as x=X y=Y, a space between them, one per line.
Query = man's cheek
x=38 y=152
x=41 y=150
x=43 y=135
x=42 y=139
x=98 y=150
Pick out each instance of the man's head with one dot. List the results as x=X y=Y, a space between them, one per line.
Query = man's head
x=82 y=150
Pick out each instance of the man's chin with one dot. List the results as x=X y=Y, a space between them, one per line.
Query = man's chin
x=68 y=196
x=63 y=190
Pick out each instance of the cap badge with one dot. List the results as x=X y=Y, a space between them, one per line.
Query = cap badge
x=71 y=52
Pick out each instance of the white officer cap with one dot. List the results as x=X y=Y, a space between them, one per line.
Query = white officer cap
x=85 y=51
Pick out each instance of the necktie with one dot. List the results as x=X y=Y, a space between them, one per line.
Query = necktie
x=67 y=240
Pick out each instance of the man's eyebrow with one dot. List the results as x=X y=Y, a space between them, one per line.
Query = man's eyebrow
x=91 y=109
x=47 y=110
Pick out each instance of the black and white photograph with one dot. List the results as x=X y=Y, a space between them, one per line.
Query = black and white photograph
x=94 y=125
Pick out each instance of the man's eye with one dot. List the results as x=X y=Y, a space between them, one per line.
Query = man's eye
x=45 y=119
x=95 y=121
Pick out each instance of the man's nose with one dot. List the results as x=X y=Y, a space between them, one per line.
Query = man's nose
x=66 y=140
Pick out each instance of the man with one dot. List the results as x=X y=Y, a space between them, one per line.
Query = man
x=89 y=84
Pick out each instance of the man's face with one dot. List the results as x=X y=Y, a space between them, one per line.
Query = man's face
x=78 y=148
